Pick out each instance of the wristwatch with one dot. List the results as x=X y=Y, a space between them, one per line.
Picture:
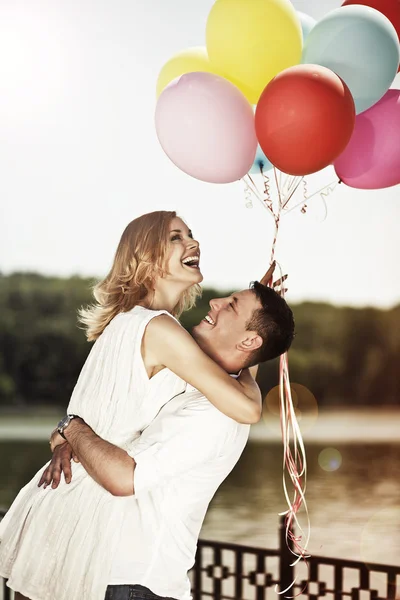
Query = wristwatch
x=63 y=424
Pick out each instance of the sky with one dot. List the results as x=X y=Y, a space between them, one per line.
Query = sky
x=80 y=159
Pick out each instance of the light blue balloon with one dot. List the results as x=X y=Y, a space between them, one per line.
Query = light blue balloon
x=360 y=45
x=260 y=161
x=307 y=23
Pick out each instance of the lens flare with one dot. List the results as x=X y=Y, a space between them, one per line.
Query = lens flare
x=330 y=459
x=305 y=407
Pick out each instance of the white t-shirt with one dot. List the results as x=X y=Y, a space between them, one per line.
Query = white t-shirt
x=182 y=458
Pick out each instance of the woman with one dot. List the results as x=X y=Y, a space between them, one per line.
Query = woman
x=54 y=542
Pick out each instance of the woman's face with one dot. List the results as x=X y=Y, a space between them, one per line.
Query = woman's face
x=183 y=257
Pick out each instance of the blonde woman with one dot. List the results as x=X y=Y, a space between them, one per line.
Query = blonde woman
x=53 y=541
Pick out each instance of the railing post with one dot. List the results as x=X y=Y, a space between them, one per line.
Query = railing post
x=6 y=592
x=197 y=573
x=286 y=571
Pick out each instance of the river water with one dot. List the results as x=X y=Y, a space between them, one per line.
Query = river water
x=353 y=483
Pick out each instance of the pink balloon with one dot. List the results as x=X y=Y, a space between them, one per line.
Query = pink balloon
x=371 y=160
x=205 y=125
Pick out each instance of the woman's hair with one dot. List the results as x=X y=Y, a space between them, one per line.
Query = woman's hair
x=139 y=259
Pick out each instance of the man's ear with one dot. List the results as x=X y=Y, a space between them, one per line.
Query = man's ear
x=252 y=342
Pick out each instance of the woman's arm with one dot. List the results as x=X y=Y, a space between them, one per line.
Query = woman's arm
x=166 y=343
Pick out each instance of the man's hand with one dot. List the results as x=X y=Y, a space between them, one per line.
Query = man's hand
x=60 y=463
x=276 y=285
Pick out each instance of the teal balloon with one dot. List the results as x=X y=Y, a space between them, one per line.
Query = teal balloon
x=307 y=23
x=360 y=45
x=260 y=161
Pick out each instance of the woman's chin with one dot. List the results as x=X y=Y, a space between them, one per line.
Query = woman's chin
x=188 y=279
x=196 y=276
x=199 y=277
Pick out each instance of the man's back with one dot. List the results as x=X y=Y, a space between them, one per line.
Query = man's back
x=181 y=459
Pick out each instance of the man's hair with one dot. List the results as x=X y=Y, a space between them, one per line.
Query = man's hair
x=273 y=322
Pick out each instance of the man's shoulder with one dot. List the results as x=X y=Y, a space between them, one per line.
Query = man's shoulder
x=226 y=436
x=194 y=401
x=207 y=417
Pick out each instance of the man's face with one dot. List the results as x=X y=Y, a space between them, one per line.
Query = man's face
x=222 y=334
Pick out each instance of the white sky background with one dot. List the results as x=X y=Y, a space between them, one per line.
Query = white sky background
x=79 y=159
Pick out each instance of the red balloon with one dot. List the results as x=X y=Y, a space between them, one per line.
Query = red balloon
x=304 y=119
x=389 y=8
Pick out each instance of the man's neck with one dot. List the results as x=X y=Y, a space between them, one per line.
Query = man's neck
x=253 y=371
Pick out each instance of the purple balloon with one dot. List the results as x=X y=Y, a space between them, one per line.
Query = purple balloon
x=205 y=125
x=371 y=160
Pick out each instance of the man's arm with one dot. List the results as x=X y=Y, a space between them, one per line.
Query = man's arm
x=106 y=463
x=192 y=439
x=178 y=442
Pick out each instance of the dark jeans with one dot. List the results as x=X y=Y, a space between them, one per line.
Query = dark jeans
x=131 y=592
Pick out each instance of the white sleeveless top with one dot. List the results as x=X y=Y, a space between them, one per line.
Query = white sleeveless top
x=59 y=544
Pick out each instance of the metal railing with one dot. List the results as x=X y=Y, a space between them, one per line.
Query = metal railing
x=234 y=572
x=225 y=571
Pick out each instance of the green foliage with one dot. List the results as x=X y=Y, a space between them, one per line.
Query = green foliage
x=343 y=355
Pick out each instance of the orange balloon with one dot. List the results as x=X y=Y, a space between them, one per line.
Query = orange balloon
x=304 y=119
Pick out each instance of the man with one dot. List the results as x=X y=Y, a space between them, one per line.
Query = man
x=175 y=467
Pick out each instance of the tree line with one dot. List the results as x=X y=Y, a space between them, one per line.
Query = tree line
x=345 y=356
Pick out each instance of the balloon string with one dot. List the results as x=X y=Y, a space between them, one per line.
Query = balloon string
x=294 y=462
x=305 y=196
x=296 y=466
x=267 y=188
x=264 y=201
x=277 y=220
x=251 y=185
x=290 y=183
x=292 y=191
x=323 y=192
x=294 y=455
x=278 y=187
x=248 y=198
x=305 y=190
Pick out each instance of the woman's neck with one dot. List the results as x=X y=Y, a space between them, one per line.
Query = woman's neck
x=164 y=297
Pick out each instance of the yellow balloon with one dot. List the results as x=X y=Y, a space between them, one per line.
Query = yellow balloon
x=186 y=61
x=251 y=41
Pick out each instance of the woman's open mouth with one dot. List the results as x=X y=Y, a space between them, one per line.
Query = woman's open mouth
x=192 y=261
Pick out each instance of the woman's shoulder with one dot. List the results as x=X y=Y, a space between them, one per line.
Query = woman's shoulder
x=140 y=316
x=137 y=319
x=143 y=313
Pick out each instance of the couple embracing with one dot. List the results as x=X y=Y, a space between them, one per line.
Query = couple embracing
x=157 y=420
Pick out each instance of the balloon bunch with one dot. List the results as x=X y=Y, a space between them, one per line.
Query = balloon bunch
x=320 y=90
